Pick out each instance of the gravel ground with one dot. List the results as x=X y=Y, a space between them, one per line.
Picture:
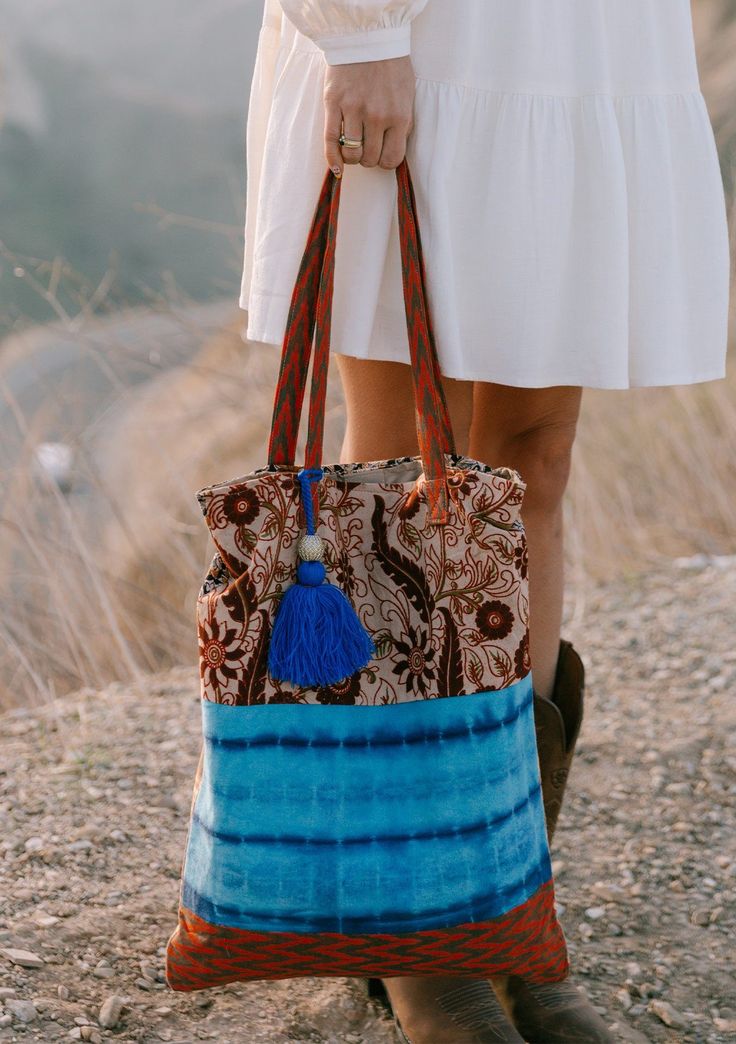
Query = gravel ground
x=95 y=792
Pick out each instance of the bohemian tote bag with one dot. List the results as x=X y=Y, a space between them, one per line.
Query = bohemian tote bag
x=367 y=800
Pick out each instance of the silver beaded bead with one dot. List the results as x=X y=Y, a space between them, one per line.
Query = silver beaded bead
x=310 y=548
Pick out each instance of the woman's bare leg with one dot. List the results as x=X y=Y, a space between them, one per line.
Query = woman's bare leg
x=530 y=429
x=533 y=430
x=379 y=399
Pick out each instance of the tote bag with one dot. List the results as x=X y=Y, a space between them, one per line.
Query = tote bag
x=367 y=800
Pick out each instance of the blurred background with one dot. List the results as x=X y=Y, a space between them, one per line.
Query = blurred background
x=125 y=384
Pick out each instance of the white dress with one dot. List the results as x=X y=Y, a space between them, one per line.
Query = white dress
x=569 y=194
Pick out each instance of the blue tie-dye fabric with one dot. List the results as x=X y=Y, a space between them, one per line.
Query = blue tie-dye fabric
x=360 y=819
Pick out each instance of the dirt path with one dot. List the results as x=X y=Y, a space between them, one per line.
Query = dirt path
x=95 y=792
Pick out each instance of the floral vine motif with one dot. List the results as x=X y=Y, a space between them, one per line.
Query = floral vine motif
x=521 y=559
x=345 y=692
x=494 y=619
x=415 y=669
x=522 y=660
x=219 y=658
x=447 y=605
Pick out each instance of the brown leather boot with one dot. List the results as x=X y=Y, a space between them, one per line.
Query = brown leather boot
x=444 y=1010
x=557 y=722
x=557 y=1012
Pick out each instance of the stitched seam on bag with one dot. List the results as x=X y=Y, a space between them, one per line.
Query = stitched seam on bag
x=233 y=743
x=464 y=909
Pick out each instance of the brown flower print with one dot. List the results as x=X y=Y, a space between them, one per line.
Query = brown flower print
x=521 y=559
x=417 y=663
x=461 y=482
x=344 y=692
x=344 y=572
x=409 y=505
x=438 y=598
x=241 y=506
x=494 y=620
x=522 y=660
x=219 y=660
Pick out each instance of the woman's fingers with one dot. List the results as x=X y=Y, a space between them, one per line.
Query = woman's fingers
x=373 y=130
x=394 y=147
x=333 y=129
x=372 y=101
x=353 y=129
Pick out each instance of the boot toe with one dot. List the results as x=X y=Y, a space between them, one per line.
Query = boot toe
x=448 y=1010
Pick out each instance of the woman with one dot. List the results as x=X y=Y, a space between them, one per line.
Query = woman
x=574 y=232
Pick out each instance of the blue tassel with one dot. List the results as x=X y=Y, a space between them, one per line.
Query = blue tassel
x=317 y=638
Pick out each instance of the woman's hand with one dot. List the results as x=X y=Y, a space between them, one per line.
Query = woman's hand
x=373 y=101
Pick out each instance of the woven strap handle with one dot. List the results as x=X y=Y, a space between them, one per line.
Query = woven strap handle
x=309 y=319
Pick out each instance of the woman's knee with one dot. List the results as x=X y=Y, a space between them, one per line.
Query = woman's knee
x=532 y=430
x=543 y=458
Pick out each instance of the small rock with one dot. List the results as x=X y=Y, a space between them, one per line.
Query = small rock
x=700 y=917
x=110 y=1011
x=666 y=1013
x=725 y=1025
x=34 y=844
x=610 y=893
x=23 y=1010
x=595 y=912
x=6 y=991
x=80 y=846
x=624 y=999
x=63 y=992
x=24 y=958
x=45 y=920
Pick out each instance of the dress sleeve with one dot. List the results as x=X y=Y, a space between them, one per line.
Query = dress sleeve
x=355 y=30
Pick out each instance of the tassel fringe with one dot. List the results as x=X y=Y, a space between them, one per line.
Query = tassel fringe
x=317 y=637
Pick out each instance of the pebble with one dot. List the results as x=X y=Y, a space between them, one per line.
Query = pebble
x=595 y=912
x=666 y=1013
x=611 y=893
x=45 y=920
x=624 y=998
x=80 y=846
x=24 y=1010
x=25 y=958
x=725 y=1025
x=110 y=1011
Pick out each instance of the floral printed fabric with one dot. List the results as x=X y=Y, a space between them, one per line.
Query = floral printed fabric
x=446 y=605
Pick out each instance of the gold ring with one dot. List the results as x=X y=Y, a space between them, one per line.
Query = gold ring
x=350 y=143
